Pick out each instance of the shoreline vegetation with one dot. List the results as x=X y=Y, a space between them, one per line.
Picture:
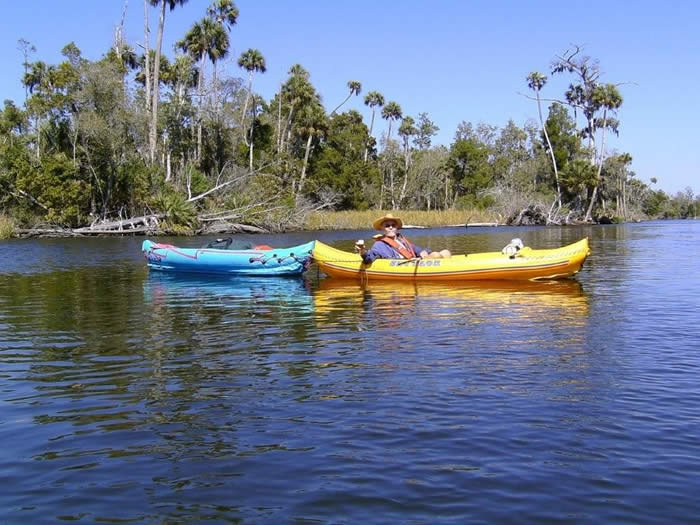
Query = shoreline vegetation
x=318 y=221
x=152 y=141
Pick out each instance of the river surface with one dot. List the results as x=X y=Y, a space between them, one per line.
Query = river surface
x=150 y=398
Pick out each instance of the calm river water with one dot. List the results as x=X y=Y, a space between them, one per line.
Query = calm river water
x=144 y=398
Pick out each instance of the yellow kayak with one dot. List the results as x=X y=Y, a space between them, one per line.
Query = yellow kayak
x=527 y=264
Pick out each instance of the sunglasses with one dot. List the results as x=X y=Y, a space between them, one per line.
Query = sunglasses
x=390 y=225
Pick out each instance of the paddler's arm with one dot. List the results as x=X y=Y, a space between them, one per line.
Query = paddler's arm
x=361 y=249
x=379 y=250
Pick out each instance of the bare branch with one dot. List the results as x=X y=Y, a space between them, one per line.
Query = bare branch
x=215 y=188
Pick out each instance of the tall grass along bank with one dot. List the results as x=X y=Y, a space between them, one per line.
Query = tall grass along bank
x=357 y=220
x=7 y=227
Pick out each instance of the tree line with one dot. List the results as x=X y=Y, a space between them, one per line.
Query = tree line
x=147 y=134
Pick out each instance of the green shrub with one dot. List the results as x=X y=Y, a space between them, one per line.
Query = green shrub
x=180 y=215
x=198 y=182
x=470 y=201
x=57 y=186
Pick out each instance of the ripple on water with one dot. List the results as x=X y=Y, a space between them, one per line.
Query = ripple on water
x=242 y=399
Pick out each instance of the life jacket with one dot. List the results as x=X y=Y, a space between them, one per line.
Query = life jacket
x=405 y=249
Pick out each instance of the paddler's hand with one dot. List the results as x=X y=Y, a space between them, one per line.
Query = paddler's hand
x=423 y=254
x=360 y=246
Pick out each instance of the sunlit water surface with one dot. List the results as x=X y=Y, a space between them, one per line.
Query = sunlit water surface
x=156 y=398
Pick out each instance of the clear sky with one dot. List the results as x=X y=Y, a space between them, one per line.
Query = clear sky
x=457 y=60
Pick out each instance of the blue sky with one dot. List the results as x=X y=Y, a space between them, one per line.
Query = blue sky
x=455 y=60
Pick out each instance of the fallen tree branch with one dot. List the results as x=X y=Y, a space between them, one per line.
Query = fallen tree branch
x=142 y=223
x=17 y=193
x=227 y=227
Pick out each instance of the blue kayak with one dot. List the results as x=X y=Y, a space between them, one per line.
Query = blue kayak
x=211 y=260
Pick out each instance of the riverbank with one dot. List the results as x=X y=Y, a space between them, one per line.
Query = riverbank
x=316 y=221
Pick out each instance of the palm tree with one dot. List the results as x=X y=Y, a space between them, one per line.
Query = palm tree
x=36 y=75
x=355 y=89
x=223 y=12
x=147 y=57
x=406 y=131
x=536 y=82
x=252 y=61
x=392 y=111
x=152 y=134
x=373 y=99
x=219 y=46
x=127 y=58
x=195 y=44
x=183 y=77
x=313 y=123
x=39 y=78
x=204 y=39
x=142 y=71
x=299 y=92
x=609 y=99
x=590 y=97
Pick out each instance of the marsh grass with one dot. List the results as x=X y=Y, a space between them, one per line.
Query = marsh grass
x=7 y=227
x=358 y=220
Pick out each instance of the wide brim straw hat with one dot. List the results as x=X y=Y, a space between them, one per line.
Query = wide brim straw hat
x=388 y=217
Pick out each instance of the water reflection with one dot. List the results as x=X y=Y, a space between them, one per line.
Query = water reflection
x=179 y=290
x=222 y=310
x=563 y=302
x=129 y=382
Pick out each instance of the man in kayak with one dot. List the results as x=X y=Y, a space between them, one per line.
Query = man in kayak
x=392 y=245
